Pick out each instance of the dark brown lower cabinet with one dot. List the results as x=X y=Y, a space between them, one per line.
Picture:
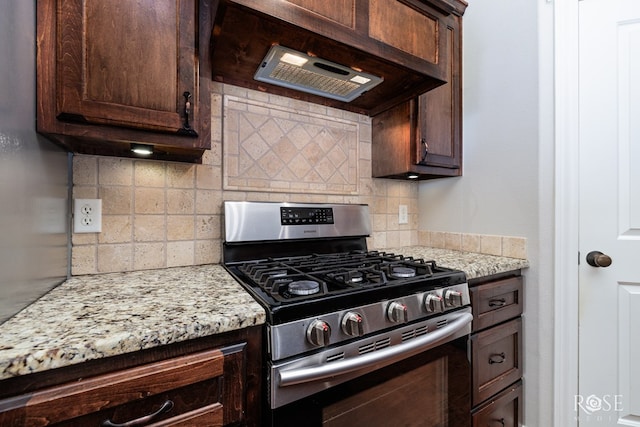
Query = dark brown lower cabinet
x=505 y=409
x=207 y=387
x=496 y=351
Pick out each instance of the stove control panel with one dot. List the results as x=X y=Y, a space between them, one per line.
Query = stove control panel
x=305 y=216
x=330 y=329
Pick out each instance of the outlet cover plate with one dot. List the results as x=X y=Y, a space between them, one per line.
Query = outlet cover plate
x=403 y=216
x=87 y=215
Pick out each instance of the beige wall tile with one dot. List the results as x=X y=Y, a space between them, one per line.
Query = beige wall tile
x=181 y=175
x=181 y=202
x=180 y=253
x=149 y=173
x=438 y=239
x=514 y=247
x=149 y=200
x=453 y=241
x=85 y=170
x=149 y=255
x=115 y=229
x=180 y=227
x=115 y=171
x=208 y=251
x=116 y=200
x=149 y=228
x=83 y=259
x=471 y=243
x=491 y=245
x=112 y=258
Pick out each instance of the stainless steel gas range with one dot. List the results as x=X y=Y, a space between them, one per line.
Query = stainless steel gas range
x=350 y=332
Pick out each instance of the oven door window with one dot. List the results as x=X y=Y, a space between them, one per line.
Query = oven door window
x=427 y=390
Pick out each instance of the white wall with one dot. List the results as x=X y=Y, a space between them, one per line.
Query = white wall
x=507 y=183
x=33 y=173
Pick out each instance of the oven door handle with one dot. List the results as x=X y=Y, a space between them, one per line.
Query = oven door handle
x=377 y=358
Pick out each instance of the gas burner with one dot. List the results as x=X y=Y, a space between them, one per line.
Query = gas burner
x=303 y=287
x=403 y=272
x=276 y=273
x=356 y=277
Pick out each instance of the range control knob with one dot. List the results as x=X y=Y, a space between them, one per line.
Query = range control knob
x=318 y=333
x=433 y=303
x=397 y=312
x=453 y=298
x=352 y=324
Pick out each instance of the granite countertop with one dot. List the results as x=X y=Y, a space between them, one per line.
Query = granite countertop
x=97 y=316
x=91 y=317
x=473 y=264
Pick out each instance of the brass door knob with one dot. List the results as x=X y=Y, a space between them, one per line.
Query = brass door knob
x=598 y=259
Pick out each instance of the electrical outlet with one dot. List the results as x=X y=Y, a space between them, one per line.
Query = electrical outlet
x=87 y=215
x=403 y=216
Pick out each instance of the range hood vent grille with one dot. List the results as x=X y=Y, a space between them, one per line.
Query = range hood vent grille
x=296 y=70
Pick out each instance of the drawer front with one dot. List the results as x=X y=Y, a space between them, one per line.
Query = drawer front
x=495 y=302
x=503 y=410
x=497 y=359
x=176 y=391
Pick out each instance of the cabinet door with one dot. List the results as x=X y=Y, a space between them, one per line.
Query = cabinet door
x=439 y=141
x=127 y=63
x=423 y=137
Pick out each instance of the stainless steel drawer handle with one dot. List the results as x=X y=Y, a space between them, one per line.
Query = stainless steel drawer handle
x=497 y=358
x=498 y=302
x=166 y=407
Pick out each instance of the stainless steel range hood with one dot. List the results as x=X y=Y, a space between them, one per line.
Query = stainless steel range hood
x=296 y=70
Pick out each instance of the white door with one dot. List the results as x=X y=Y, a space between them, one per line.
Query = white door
x=609 y=313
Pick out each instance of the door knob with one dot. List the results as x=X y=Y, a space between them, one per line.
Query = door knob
x=598 y=259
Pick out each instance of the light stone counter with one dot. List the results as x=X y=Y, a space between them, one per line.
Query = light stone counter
x=91 y=317
x=473 y=264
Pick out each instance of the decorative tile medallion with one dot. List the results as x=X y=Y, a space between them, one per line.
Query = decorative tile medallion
x=276 y=148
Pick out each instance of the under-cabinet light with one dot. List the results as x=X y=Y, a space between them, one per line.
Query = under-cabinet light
x=142 y=149
x=411 y=175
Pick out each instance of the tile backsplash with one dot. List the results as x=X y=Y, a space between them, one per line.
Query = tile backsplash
x=507 y=246
x=265 y=148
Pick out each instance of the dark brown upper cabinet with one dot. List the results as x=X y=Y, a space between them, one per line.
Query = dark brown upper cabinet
x=403 y=41
x=116 y=72
x=422 y=138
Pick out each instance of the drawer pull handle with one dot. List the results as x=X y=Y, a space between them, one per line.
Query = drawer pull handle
x=166 y=407
x=497 y=358
x=501 y=302
x=501 y=421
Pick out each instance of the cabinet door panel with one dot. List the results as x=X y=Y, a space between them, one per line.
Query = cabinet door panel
x=405 y=28
x=107 y=77
x=440 y=114
x=340 y=11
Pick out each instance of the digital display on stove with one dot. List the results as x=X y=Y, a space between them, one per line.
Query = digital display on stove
x=305 y=216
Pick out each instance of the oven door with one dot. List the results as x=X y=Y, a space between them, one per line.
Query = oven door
x=430 y=387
